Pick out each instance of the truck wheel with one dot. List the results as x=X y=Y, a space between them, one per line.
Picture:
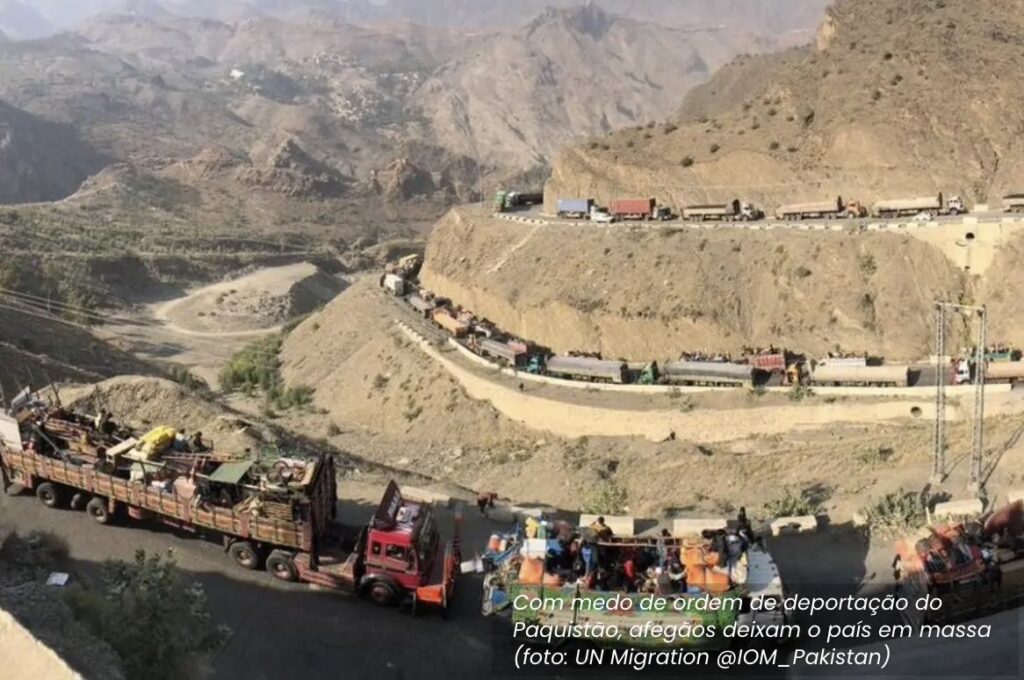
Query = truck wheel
x=282 y=566
x=383 y=594
x=244 y=555
x=97 y=509
x=51 y=495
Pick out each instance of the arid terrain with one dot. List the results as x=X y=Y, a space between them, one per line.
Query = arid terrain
x=892 y=99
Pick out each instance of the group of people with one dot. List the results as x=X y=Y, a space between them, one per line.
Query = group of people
x=592 y=559
x=719 y=358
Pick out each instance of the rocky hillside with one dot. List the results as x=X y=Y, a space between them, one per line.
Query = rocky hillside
x=894 y=98
x=40 y=160
x=651 y=294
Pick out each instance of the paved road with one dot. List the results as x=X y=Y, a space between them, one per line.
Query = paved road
x=283 y=630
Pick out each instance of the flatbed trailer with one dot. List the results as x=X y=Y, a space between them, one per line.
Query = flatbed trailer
x=396 y=557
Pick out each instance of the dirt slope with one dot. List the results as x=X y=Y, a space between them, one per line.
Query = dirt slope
x=894 y=99
x=651 y=294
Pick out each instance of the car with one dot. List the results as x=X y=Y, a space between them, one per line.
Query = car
x=601 y=217
x=923 y=217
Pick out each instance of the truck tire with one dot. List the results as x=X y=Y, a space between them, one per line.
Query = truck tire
x=281 y=565
x=382 y=593
x=51 y=495
x=244 y=554
x=97 y=509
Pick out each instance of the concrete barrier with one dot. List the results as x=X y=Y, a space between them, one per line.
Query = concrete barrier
x=687 y=527
x=794 y=525
x=27 y=658
x=968 y=508
x=620 y=525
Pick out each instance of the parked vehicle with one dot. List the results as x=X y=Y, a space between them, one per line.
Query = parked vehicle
x=506 y=353
x=516 y=569
x=633 y=208
x=444 y=319
x=505 y=201
x=278 y=514
x=574 y=208
x=710 y=373
x=582 y=368
x=722 y=212
x=1014 y=203
x=422 y=307
x=601 y=217
x=825 y=210
x=863 y=376
x=394 y=284
x=930 y=205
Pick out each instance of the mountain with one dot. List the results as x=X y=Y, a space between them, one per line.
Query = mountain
x=40 y=161
x=20 y=21
x=368 y=106
x=893 y=99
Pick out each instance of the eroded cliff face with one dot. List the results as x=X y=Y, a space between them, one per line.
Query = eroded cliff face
x=652 y=293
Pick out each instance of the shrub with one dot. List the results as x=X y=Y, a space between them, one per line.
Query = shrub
x=670 y=128
x=807 y=502
x=158 y=624
x=687 y=161
x=895 y=514
x=608 y=498
x=333 y=430
x=254 y=366
x=774 y=146
x=186 y=378
x=800 y=392
x=714 y=148
x=868 y=266
x=803 y=272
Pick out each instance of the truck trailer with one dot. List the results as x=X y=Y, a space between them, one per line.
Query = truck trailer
x=633 y=208
x=520 y=569
x=909 y=207
x=718 y=374
x=722 y=212
x=574 y=208
x=277 y=514
x=847 y=376
x=583 y=368
x=444 y=319
x=1014 y=203
x=503 y=352
x=829 y=210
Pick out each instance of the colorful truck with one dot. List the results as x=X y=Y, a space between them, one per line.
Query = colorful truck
x=584 y=368
x=444 y=319
x=277 y=513
x=525 y=583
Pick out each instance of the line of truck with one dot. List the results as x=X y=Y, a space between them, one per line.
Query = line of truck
x=919 y=207
x=772 y=366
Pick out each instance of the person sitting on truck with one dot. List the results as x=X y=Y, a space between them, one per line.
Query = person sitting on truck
x=677 y=575
x=180 y=442
x=198 y=445
x=588 y=554
x=601 y=530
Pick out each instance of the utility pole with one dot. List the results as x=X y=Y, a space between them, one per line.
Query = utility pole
x=939 y=439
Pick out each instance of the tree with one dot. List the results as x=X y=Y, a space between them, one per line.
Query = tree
x=157 y=624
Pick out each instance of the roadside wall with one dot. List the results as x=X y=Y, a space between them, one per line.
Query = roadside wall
x=23 y=657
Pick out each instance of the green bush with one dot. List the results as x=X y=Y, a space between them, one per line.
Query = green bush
x=608 y=498
x=896 y=513
x=255 y=366
x=158 y=624
x=807 y=502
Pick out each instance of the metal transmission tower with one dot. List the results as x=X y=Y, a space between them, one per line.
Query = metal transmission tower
x=977 y=455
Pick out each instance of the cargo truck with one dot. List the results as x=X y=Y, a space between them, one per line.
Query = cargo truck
x=574 y=208
x=722 y=212
x=592 y=370
x=278 y=514
x=505 y=201
x=1014 y=203
x=862 y=376
x=527 y=571
x=710 y=373
x=394 y=284
x=515 y=356
x=633 y=208
x=974 y=570
x=910 y=207
x=444 y=319
x=836 y=209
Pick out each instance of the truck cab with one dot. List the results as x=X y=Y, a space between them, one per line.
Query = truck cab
x=955 y=206
x=406 y=553
x=601 y=217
